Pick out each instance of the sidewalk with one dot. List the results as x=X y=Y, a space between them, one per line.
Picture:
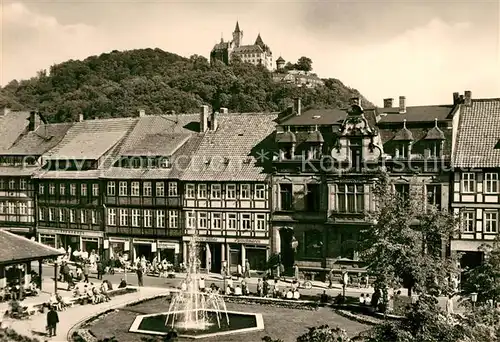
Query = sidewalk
x=35 y=327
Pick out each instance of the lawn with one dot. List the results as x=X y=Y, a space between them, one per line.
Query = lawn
x=282 y=323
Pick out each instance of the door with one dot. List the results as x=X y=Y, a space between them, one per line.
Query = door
x=216 y=249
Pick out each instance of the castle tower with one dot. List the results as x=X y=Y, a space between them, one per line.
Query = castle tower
x=237 y=36
x=280 y=63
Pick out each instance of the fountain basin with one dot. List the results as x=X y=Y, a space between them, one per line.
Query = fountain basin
x=239 y=322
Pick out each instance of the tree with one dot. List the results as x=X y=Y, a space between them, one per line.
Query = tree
x=322 y=333
x=304 y=64
x=404 y=245
x=485 y=279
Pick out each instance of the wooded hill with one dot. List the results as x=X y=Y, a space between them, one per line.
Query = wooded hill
x=118 y=84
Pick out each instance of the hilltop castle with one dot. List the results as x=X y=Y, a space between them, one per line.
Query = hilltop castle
x=257 y=54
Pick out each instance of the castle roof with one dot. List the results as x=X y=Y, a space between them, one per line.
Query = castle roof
x=280 y=59
x=237 y=28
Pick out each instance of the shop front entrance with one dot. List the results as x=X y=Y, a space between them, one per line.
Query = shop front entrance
x=257 y=257
x=48 y=240
x=66 y=241
x=216 y=257
x=144 y=249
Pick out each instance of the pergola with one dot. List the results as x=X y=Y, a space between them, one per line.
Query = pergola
x=18 y=250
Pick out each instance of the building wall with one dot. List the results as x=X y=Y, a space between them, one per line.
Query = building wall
x=17 y=204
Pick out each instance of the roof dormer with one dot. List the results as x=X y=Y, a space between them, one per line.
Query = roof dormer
x=286 y=137
x=404 y=134
x=435 y=133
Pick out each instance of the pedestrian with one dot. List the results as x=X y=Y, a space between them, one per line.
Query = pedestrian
x=260 y=287
x=247 y=269
x=100 y=270
x=330 y=279
x=52 y=320
x=86 y=270
x=296 y=272
x=139 y=276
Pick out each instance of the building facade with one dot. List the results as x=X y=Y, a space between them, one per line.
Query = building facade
x=475 y=182
x=256 y=54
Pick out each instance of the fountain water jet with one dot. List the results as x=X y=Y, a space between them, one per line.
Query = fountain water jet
x=188 y=308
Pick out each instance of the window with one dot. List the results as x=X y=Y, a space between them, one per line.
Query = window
x=215 y=191
x=95 y=190
x=350 y=198
x=12 y=184
x=356 y=151
x=202 y=191
x=173 y=219
x=52 y=189
x=286 y=196
x=231 y=221
x=84 y=189
x=245 y=191
x=62 y=189
x=231 y=191
x=491 y=183
x=111 y=216
x=435 y=149
x=72 y=214
x=123 y=189
x=135 y=217
x=93 y=216
x=164 y=163
x=148 y=218
x=217 y=220
x=190 y=191
x=260 y=222
x=1 y=183
x=172 y=189
x=134 y=189
x=72 y=189
x=62 y=217
x=403 y=149
x=23 y=184
x=312 y=197
x=160 y=218
x=111 y=189
x=403 y=191
x=202 y=220
x=468 y=221
x=490 y=221
x=123 y=217
x=246 y=223
x=434 y=195
x=52 y=214
x=260 y=191
x=147 y=189
x=40 y=213
x=11 y=208
x=41 y=189
x=468 y=182
x=83 y=216
x=190 y=219
x=160 y=189
x=23 y=208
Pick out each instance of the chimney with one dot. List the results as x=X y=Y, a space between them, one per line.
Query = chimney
x=204 y=118
x=297 y=105
x=34 y=121
x=467 y=98
x=142 y=113
x=402 y=104
x=214 y=123
x=80 y=118
x=388 y=103
x=223 y=110
x=456 y=98
x=355 y=101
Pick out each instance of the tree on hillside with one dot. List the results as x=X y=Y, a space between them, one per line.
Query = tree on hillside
x=404 y=245
x=485 y=279
x=304 y=64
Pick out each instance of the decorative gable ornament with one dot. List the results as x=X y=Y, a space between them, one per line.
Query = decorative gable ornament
x=355 y=123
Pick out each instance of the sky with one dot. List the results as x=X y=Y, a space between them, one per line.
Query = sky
x=424 y=50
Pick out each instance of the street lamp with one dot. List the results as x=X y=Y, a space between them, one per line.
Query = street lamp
x=473 y=298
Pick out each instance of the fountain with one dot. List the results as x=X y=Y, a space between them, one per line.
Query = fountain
x=192 y=308
x=197 y=314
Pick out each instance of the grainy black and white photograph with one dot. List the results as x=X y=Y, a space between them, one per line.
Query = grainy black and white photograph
x=227 y=171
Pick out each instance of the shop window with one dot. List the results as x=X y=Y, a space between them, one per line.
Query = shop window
x=231 y=191
x=111 y=189
x=217 y=220
x=190 y=191
x=148 y=218
x=245 y=191
x=160 y=189
x=173 y=219
x=160 y=218
x=285 y=196
x=215 y=191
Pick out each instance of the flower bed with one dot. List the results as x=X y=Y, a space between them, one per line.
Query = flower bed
x=275 y=302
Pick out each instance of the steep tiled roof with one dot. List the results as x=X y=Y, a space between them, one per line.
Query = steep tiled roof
x=91 y=139
x=315 y=136
x=435 y=133
x=478 y=134
x=19 y=171
x=248 y=49
x=280 y=59
x=160 y=144
x=323 y=117
x=285 y=137
x=231 y=152
x=17 y=248
x=416 y=113
x=12 y=125
x=404 y=134
x=44 y=138
x=85 y=174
